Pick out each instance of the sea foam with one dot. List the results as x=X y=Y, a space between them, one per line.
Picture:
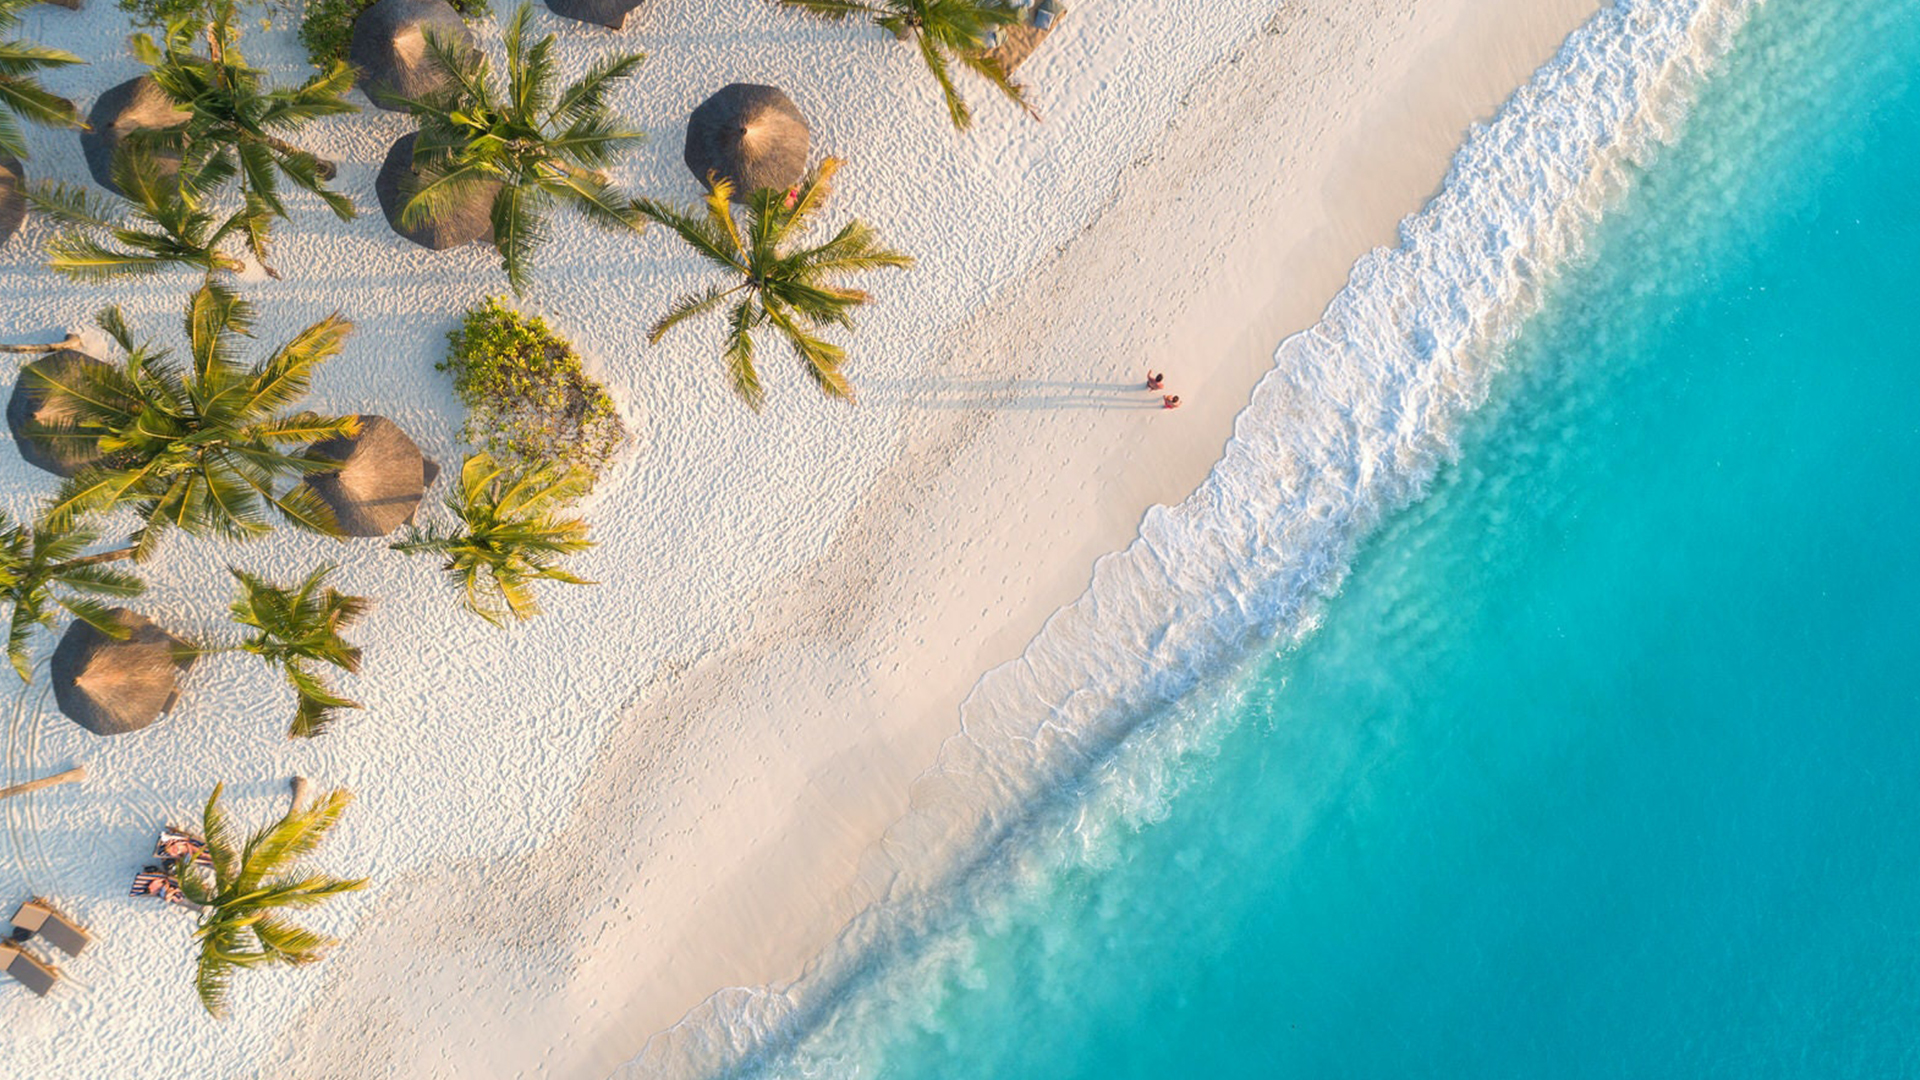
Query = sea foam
x=1349 y=426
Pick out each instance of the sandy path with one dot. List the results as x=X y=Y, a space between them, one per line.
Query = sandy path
x=718 y=839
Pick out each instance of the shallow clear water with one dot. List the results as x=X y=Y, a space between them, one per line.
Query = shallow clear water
x=1604 y=760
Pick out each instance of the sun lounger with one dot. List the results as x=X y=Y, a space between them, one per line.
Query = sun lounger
x=1045 y=12
x=160 y=885
x=59 y=931
x=155 y=884
x=174 y=844
x=27 y=969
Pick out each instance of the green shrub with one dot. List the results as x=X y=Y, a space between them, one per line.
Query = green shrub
x=326 y=26
x=528 y=401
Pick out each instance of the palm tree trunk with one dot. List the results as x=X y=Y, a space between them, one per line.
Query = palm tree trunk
x=321 y=165
x=71 y=341
x=116 y=555
x=78 y=772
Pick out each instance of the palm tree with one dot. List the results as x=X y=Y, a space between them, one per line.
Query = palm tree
x=21 y=94
x=248 y=886
x=235 y=120
x=42 y=571
x=162 y=228
x=295 y=628
x=543 y=146
x=946 y=32
x=197 y=448
x=509 y=535
x=778 y=281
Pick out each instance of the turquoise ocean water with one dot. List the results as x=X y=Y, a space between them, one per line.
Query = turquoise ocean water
x=1605 y=760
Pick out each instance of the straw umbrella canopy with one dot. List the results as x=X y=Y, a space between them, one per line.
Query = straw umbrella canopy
x=751 y=135
x=110 y=685
x=611 y=14
x=471 y=220
x=129 y=107
x=389 y=48
x=380 y=481
x=13 y=197
x=29 y=403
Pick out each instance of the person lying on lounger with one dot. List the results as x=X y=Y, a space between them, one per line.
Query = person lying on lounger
x=153 y=883
x=178 y=845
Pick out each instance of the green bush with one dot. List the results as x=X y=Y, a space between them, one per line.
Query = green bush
x=528 y=401
x=326 y=26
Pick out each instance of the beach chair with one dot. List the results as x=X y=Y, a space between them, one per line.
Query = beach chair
x=152 y=882
x=39 y=919
x=27 y=969
x=1045 y=13
x=174 y=844
x=156 y=883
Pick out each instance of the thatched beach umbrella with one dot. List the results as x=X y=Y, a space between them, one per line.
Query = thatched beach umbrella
x=29 y=403
x=471 y=220
x=751 y=135
x=110 y=685
x=389 y=48
x=127 y=108
x=380 y=481
x=13 y=197
x=611 y=14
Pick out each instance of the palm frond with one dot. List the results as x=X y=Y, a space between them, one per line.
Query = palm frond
x=991 y=69
x=518 y=228
x=287 y=375
x=222 y=842
x=688 y=307
x=739 y=356
x=86 y=259
x=586 y=96
x=90 y=491
x=835 y=10
x=696 y=231
x=599 y=201
x=821 y=359
x=936 y=62
x=73 y=205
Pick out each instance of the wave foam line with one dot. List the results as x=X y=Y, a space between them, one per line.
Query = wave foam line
x=1349 y=426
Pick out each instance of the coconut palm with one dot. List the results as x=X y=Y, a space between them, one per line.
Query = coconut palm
x=543 y=145
x=21 y=94
x=43 y=572
x=197 y=447
x=295 y=629
x=509 y=535
x=778 y=281
x=235 y=119
x=946 y=32
x=248 y=887
x=161 y=227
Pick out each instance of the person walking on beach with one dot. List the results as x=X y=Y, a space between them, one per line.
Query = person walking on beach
x=1155 y=380
x=1169 y=401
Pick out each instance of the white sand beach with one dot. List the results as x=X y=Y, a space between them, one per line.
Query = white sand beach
x=670 y=784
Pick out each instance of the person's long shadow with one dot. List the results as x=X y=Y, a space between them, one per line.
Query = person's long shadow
x=1014 y=394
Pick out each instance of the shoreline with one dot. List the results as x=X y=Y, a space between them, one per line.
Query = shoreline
x=760 y=803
